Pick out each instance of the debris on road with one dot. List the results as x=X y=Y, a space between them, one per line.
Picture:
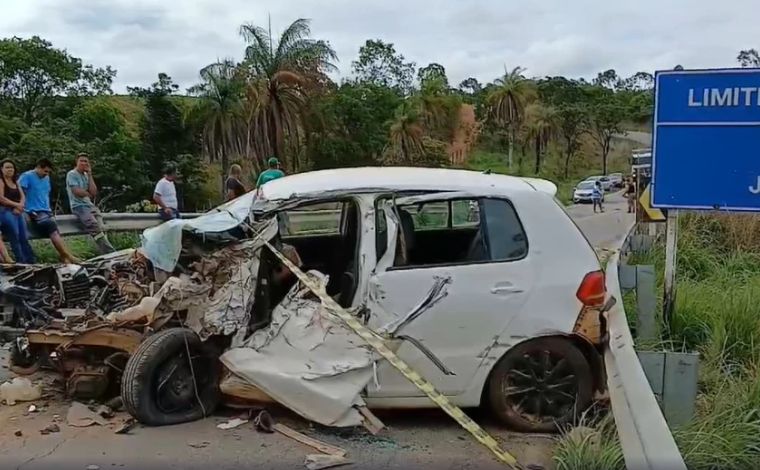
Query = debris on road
x=320 y=461
x=32 y=409
x=199 y=445
x=126 y=426
x=264 y=422
x=18 y=433
x=80 y=416
x=19 y=389
x=309 y=441
x=51 y=428
x=232 y=424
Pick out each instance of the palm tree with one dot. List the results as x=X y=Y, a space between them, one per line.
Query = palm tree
x=219 y=110
x=507 y=100
x=541 y=126
x=281 y=74
x=406 y=133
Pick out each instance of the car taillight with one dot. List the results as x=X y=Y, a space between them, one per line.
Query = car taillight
x=593 y=289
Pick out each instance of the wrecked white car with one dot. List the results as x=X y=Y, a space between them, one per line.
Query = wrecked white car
x=480 y=282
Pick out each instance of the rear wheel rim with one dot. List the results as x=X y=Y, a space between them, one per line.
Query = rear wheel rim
x=175 y=388
x=541 y=387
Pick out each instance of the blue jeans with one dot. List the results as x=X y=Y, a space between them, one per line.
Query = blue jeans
x=13 y=227
x=164 y=216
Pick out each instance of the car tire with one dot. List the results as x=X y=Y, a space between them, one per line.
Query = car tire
x=23 y=363
x=161 y=387
x=548 y=397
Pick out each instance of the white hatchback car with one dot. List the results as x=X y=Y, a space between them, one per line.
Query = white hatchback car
x=496 y=293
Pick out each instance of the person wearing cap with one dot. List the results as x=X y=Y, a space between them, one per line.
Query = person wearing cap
x=272 y=173
x=81 y=187
x=165 y=195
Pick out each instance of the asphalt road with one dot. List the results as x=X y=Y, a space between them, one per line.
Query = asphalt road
x=412 y=439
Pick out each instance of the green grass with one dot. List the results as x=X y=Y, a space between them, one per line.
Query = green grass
x=82 y=246
x=590 y=448
x=717 y=314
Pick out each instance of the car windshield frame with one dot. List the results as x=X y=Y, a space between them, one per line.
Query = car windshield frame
x=585 y=185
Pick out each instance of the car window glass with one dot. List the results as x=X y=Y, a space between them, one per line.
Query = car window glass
x=430 y=215
x=381 y=230
x=322 y=218
x=505 y=235
x=465 y=213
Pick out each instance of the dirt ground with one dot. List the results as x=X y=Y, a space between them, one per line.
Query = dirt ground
x=412 y=439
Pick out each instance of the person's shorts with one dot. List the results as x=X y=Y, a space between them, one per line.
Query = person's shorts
x=42 y=223
x=90 y=219
x=173 y=215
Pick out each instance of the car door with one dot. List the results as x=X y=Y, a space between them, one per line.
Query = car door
x=453 y=310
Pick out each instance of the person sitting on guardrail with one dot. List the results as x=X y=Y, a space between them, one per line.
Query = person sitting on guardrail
x=165 y=195
x=12 y=221
x=233 y=185
x=36 y=186
x=81 y=187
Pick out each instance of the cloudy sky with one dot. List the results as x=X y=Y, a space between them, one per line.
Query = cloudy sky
x=476 y=38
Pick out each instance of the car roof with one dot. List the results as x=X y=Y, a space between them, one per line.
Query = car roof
x=367 y=179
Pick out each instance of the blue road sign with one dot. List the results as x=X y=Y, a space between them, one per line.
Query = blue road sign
x=706 y=143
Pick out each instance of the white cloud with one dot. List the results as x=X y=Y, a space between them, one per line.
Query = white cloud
x=141 y=38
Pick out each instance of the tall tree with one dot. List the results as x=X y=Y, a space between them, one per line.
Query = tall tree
x=33 y=72
x=570 y=101
x=507 y=101
x=607 y=79
x=433 y=72
x=541 y=127
x=608 y=110
x=379 y=63
x=470 y=86
x=749 y=58
x=406 y=134
x=281 y=75
x=219 y=111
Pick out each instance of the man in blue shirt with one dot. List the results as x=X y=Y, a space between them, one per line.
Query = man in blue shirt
x=81 y=187
x=36 y=186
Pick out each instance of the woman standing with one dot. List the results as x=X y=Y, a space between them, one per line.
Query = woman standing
x=12 y=220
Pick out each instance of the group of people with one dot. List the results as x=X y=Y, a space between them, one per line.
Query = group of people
x=26 y=198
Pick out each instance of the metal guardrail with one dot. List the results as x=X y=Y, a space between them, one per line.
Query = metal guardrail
x=112 y=222
x=644 y=434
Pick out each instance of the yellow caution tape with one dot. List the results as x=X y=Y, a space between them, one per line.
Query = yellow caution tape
x=378 y=344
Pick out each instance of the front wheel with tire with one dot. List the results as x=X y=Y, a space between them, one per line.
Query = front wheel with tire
x=171 y=378
x=541 y=385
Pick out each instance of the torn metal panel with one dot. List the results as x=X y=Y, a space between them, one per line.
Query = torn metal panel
x=163 y=244
x=436 y=293
x=307 y=360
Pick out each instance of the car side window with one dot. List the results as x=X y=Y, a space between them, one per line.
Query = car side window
x=478 y=231
x=505 y=236
x=311 y=219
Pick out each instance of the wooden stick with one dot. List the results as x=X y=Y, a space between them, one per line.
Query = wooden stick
x=309 y=441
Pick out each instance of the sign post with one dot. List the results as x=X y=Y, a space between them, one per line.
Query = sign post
x=704 y=150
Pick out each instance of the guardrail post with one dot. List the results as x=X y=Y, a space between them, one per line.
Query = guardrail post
x=680 y=387
x=646 y=303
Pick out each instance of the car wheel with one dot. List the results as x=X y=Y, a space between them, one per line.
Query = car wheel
x=541 y=385
x=163 y=384
x=23 y=362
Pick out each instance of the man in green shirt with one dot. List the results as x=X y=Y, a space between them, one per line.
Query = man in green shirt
x=270 y=174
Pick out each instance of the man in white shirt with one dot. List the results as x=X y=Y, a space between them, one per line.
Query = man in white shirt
x=165 y=195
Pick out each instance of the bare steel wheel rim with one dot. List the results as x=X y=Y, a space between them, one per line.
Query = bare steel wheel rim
x=541 y=387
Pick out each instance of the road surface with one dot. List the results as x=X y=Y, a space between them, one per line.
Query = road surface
x=413 y=439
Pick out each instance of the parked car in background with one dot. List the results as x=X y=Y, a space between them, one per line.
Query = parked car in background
x=604 y=180
x=584 y=190
x=616 y=180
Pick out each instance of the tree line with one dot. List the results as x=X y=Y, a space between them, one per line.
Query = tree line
x=280 y=101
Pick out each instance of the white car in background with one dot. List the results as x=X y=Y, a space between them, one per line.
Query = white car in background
x=616 y=180
x=584 y=190
x=604 y=180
